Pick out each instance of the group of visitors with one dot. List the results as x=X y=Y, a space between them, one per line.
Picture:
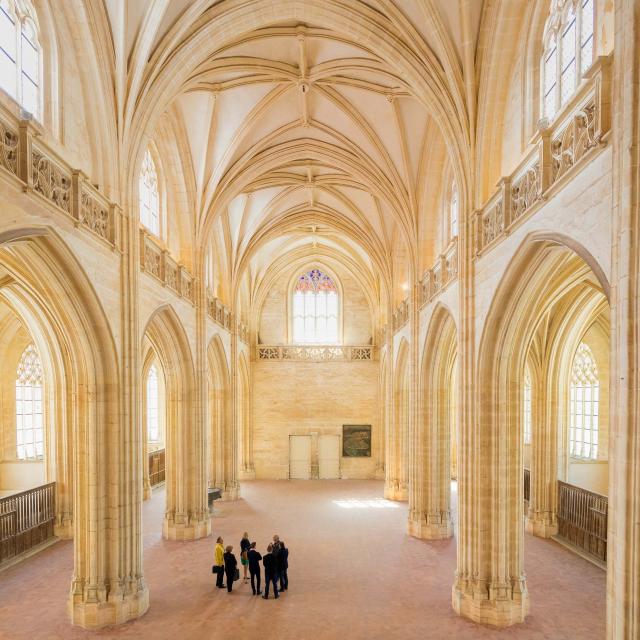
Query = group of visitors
x=275 y=562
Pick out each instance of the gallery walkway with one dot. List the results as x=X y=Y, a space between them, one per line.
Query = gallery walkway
x=354 y=574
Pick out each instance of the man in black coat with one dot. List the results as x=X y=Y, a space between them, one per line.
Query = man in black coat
x=230 y=564
x=283 y=565
x=270 y=573
x=254 y=568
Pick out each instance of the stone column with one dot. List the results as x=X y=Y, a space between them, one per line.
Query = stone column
x=231 y=485
x=623 y=562
x=489 y=585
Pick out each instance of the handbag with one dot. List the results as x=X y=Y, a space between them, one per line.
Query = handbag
x=236 y=575
x=216 y=568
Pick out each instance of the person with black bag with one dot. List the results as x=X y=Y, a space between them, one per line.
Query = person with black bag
x=254 y=569
x=270 y=573
x=218 y=566
x=230 y=568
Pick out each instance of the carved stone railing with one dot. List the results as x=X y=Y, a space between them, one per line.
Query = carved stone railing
x=443 y=272
x=316 y=353
x=243 y=332
x=156 y=261
x=400 y=315
x=219 y=312
x=559 y=149
x=40 y=171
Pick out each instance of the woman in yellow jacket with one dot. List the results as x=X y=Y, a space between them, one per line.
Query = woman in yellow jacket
x=219 y=562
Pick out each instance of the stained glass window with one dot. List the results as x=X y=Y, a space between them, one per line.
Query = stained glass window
x=29 y=423
x=315 y=309
x=148 y=194
x=584 y=400
x=527 y=406
x=153 y=427
x=19 y=57
x=453 y=214
x=568 y=51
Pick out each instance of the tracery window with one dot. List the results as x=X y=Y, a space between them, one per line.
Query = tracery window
x=568 y=51
x=315 y=309
x=19 y=56
x=527 y=406
x=584 y=399
x=153 y=424
x=149 y=196
x=453 y=212
x=29 y=423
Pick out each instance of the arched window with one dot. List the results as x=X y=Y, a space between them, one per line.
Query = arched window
x=153 y=424
x=29 y=425
x=527 y=406
x=19 y=56
x=568 y=51
x=315 y=309
x=453 y=212
x=583 y=425
x=149 y=198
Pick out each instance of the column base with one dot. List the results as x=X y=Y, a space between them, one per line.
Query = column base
x=63 y=530
x=90 y=611
x=188 y=530
x=231 y=492
x=248 y=473
x=541 y=528
x=434 y=527
x=396 y=491
x=497 y=605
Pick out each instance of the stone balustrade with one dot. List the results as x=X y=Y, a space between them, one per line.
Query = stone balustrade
x=558 y=150
x=443 y=272
x=315 y=353
x=156 y=261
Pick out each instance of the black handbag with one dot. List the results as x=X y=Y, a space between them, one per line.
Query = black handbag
x=236 y=575
x=216 y=568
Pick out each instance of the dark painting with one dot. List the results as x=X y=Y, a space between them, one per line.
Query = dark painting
x=356 y=440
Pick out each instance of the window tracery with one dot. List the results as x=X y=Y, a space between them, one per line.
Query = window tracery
x=29 y=422
x=568 y=51
x=149 y=195
x=584 y=401
x=153 y=423
x=315 y=309
x=20 y=56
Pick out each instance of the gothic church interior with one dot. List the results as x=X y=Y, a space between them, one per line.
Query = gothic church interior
x=360 y=271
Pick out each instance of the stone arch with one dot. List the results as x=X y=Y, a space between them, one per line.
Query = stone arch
x=48 y=288
x=186 y=515
x=430 y=503
x=490 y=584
x=223 y=454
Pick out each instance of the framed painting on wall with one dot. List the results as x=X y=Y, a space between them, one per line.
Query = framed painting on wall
x=356 y=440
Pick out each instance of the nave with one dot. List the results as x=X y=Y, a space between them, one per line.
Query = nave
x=352 y=567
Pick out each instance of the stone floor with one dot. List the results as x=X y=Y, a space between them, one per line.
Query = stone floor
x=354 y=574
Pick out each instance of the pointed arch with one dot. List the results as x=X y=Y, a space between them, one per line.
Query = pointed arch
x=186 y=514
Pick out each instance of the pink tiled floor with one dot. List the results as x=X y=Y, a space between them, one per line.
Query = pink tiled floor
x=354 y=574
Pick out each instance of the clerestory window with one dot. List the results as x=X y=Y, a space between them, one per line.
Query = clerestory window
x=584 y=405
x=568 y=52
x=29 y=421
x=20 y=56
x=315 y=309
x=149 y=195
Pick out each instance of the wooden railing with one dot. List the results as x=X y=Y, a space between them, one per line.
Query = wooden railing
x=558 y=149
x=582 y=519
x=26 y=520
x=156 y=467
